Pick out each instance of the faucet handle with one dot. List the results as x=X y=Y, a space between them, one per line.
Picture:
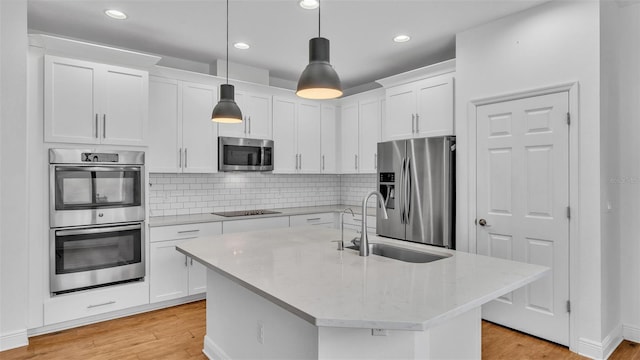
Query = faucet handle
x=340 y=244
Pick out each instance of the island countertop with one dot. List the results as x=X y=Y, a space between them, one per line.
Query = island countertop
x=300 y=270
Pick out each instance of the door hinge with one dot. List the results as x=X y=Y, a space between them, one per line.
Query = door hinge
x=568 y=306
x=568 y=212
x=568 y=118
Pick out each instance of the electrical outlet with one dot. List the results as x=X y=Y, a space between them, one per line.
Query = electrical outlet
x=260 y=332
x=379 y=332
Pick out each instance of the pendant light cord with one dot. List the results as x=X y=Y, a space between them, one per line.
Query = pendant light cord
x=318 y=18
x=227 y=42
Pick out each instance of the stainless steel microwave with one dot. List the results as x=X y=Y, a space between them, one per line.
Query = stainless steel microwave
x=242 y=154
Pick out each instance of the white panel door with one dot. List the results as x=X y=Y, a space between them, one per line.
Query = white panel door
x=435 y=107
x=165 y=132
x=199 y=133
x=349 y=139
x=197 y=277
x=522 y=195
x=124 y=106
x=308 y=134
x=401 y=111
x=236 y=130
x=168 y=278
x=70 y=109
x=369 y=125
x=328 y=142
x=258 y=114
x=285 y=157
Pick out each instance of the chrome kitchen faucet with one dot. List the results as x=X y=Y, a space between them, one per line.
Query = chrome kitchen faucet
x=364 y=238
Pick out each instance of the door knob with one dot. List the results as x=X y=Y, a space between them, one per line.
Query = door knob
x=483 y=222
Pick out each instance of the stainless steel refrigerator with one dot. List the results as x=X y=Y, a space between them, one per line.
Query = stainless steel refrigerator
x=417 y=181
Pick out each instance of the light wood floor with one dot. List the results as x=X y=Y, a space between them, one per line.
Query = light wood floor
x=177 y=333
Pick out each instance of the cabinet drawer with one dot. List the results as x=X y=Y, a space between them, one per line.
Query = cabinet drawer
x=236 y=226
x=187 y=231
x=93 y=302
x=313 y=219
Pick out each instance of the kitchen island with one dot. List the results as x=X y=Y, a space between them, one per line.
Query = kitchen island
x=289 y=293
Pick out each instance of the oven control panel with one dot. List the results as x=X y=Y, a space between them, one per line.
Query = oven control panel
x=99 y=157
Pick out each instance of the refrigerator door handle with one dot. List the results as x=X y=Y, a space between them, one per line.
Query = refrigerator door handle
x=401 y=191
x=407 y=191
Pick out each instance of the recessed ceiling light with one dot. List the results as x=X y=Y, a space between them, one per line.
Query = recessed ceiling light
x=115 y=14
x=309 y=4
x=401 y=38
x=241 y=46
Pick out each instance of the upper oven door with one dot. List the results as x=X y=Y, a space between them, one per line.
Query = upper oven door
x=86 y=195
x=240 y=154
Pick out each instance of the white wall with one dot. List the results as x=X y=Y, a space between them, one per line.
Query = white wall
x=628 y=178
x=551 y=44
x=13 y=172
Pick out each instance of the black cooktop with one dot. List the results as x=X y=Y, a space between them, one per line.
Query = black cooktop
x=245 y=213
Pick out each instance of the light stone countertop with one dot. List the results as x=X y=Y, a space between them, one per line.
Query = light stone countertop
x=300 y=270
x=155 y=221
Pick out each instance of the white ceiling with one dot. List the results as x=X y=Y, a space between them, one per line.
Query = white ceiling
x=278 y=31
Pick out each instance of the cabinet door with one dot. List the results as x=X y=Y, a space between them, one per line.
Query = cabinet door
x=70 y=110
x=284 y=135
x=349 y=139
x=236 y=130
x=199 y=133
x=369 y=123
x=328 y=142
x=258 y=115
x=401 y=111
x=435 y=107
x=168 y=271
x=197 y=277
x=124 y=106
x=308 y=134
x=165 y=131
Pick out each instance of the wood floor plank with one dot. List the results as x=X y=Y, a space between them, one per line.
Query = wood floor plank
x=178 y=332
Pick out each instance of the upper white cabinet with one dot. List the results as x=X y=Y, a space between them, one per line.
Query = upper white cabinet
x=256 y=113
x=182 y=137
x=92 y=103
x=359 y=135
x=296 y=135
x=419 y=109
x=328 y=143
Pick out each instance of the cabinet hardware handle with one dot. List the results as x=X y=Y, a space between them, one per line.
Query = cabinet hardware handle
x=187 y=231
x=104 y=126
x=245 y=124
x=413 y=126
x=297 y=161
x=313 y=219
x=180 y=158
x=375 y=161
x=191 y=261
x=103 y=304
x=356 y=163
x=186 y=157
x=97 y=126
x=185 y=261
x=417 y=123
x=249 y=117
x=300 y=161
x=323 y=162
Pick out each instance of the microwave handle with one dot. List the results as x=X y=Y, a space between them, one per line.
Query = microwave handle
x=97 y=230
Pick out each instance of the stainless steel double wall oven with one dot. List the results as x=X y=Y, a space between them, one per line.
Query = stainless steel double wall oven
x=96 y=218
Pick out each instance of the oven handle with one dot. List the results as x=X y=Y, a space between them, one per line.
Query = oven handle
x=98 y=168
x=98 y=230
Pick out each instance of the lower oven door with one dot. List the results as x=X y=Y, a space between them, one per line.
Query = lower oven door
x=84 y=257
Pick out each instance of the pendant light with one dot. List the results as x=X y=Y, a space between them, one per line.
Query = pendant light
x=227 y=111
x=319 y=80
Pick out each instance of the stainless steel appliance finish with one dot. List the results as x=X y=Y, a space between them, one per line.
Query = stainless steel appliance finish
x=245 y=213
x=242 y=154
x=417 y=181
x=88 y=187
x=84 y=257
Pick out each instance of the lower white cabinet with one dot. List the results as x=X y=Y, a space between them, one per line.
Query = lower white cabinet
x=327 y=220
x=354 y=223
x=174 y=275
x=236 y=226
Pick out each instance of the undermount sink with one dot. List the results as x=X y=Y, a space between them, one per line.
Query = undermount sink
x=402 y=254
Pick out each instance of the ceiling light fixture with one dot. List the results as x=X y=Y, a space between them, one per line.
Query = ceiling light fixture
x=227 y=111
x=309 y=4
x=115 y=14
x=241 y=46
x=402 y=38
x=319 y=80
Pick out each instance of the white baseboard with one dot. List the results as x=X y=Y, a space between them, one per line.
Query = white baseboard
x=213 y=351
x=601 y=350
x=13 y=340
x=631 y=333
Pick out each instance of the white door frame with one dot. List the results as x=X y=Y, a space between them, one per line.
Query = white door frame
x=574 y=182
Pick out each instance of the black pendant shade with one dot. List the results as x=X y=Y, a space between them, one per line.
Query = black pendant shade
x=227 y=111
x=319 y=80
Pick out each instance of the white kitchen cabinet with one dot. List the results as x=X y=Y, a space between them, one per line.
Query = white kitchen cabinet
x=327 y=220
x=256 y=114
x=296 y=135
x=182 y=137
x=93 y=103
x=359 y=135
x=172 y=274
x=354 y=223
x=328 y=143
x=422 y=108
x=236 y=226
